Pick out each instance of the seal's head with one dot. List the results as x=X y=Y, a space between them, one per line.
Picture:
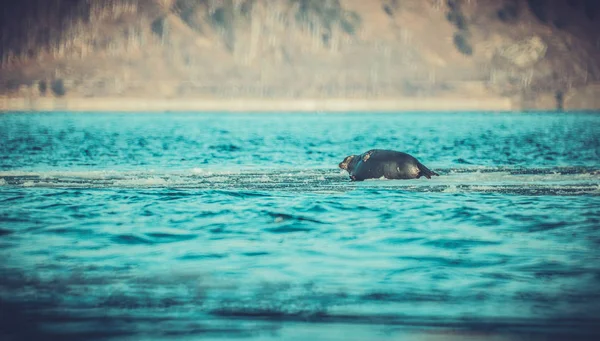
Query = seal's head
x=348 y=163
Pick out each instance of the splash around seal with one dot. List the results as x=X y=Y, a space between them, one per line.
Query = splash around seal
x=389 y=164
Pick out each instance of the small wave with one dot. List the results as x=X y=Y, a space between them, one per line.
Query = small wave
x=534 y=181
x=446 y=243
x=316 y=208
x=169 y=237
x=30 y=183
x=283 y=217
x=142 y=182
x=129 y=239
x=451 y=189
x=201 y=171
x=463 y=162
x=255 y=254
x=195 y=256
x=288 y=229
x=226 y=148
x=545 y=226
x=521 y=170
x=5 y=232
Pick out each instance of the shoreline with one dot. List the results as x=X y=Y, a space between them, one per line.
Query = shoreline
x=253 y=105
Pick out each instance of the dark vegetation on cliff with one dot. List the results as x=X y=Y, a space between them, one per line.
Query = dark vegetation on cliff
x=298 y=48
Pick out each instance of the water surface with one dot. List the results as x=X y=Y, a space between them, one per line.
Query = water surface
x=202 y=226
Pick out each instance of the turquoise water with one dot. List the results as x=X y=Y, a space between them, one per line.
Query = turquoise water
x=209 y=226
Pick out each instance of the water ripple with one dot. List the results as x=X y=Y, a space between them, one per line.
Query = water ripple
x=129 y=239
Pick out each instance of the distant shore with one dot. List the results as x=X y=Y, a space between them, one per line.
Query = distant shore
x=239 y=105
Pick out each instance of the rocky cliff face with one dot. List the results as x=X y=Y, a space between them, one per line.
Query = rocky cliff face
x=540 y=53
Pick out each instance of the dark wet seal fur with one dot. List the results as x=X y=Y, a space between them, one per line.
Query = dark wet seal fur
x=389 y=164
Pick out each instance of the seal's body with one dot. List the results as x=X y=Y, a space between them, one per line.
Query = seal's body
x=389 y=164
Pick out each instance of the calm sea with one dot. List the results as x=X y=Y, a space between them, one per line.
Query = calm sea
x=212 y=226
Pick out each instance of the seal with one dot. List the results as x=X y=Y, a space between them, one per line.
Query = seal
x=389 y=164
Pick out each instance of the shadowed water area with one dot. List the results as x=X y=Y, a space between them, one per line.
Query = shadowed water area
x=203 y=226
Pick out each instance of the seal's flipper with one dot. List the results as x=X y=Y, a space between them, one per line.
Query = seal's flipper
x=424 y=171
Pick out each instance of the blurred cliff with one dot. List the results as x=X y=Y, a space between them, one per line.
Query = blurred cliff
x=539 y=53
